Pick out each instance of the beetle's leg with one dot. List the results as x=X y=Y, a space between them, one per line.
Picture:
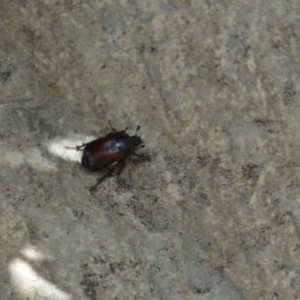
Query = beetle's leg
x=108 y=174
x=121 y=169
x=82 y=146
x=113 y=129
x=76 y=147
x=118 y=174
x=142 y=156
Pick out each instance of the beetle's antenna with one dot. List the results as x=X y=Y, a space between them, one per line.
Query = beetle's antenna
x=137 y=129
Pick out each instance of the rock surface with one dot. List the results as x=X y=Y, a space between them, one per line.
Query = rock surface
x=215 y=88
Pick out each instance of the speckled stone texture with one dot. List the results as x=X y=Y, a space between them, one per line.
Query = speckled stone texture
x=215 y=88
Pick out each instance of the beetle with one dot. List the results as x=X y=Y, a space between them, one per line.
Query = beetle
x=109 y=151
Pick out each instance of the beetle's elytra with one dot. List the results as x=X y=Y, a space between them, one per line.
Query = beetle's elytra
x=109 y=151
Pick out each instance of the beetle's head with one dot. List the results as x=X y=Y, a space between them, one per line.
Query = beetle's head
x=137 y=139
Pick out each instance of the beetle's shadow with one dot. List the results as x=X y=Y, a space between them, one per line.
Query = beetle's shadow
x=123 y=180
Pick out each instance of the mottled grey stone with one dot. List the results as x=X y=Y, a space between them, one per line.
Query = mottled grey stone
x=215 y=87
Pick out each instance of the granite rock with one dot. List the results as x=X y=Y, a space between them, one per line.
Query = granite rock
x=215 y=88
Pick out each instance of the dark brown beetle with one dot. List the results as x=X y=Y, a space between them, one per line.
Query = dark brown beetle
x=109 y=151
